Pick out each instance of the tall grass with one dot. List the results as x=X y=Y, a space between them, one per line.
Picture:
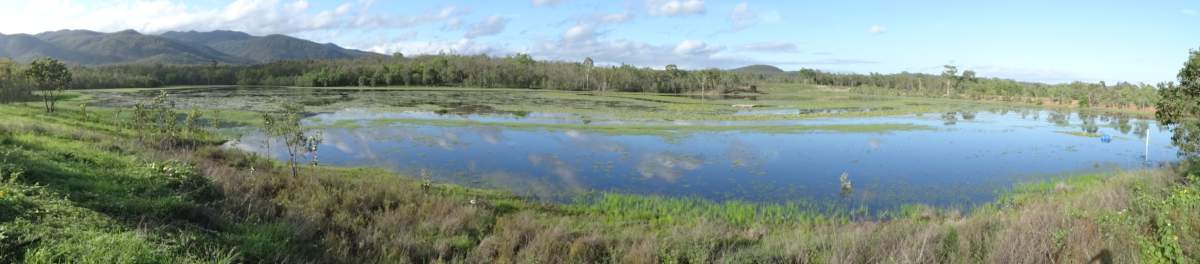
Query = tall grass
x=87 y=191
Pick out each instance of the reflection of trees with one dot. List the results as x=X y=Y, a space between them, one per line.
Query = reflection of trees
x=1122 y=124
x=1089 y=122
x=1031 y=114
x=950 y=118
x=967 y=115
x=667 y=166
x=1058 y=118
x=1142 y=127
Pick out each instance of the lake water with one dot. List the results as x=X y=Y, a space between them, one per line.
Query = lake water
x=964 y=159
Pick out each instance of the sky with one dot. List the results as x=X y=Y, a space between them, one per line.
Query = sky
x=1040 y=41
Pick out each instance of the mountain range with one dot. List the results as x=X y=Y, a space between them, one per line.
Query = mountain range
x=130 y=47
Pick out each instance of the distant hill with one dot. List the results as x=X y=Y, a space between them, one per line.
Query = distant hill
x=125 y=47
x=759 y=68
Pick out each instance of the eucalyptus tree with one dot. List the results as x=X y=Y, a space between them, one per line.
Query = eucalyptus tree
x=285 y=124
x=949 y=74
x=587 y=67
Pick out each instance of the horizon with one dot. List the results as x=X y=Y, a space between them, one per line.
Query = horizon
x=1027 y=41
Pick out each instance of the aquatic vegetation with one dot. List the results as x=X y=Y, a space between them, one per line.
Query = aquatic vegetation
x=231 y=206
x=1080 y=133
x=847 y=188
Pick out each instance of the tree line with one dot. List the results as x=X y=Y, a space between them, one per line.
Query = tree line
x=966 y=84
x=516 y=71
x=522 y=71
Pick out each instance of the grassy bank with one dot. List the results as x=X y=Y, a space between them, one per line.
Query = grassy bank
x=94 y=188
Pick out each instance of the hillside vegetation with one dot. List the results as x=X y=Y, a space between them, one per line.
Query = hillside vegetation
x=171 y=48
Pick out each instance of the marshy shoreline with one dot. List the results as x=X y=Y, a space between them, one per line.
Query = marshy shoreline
x=87 y=184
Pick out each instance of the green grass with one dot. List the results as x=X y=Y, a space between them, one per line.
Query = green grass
x=592 y=105
x=92 y=190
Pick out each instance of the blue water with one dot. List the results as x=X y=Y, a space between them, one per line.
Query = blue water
x=964 y=160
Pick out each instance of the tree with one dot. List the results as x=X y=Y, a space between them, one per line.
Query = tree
x=286 y=125
x=11 y=87
x=1179 y=107
x=950 y=73
x=968 y=76
x=51 y=78
x=587 y=66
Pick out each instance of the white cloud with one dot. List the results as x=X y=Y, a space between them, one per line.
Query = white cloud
x=695 y=48
x=546 y=2
x=1189 y=12
x=771 y=47
x=667 y=166
x=877 y=29
x=452 y=24
x=343 y=8
x=491 y=26
x=687 y=54
x=675 y=7
x=258 y=17
x=580 y=33
x=461 y=46
x=742 y=17
x=615 y=18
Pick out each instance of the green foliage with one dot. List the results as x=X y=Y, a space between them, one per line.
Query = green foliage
x=84 y=185
x=966 y=85
x=1180 y=107
x=51 y=78
x=517 y=71
x=64 y=198
x=286 y=125
x=1173 y=228
x=13 y=86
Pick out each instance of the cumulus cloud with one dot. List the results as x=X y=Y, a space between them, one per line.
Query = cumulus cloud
x=253 y=16
x=584 y=40
x=742 y=17
x=876 y=29
x=695 y=48
x=461 y=46
x=546 y=2
x=580 y=33
x=491 y=26
x=688 y=54
x=675 y=7
x=771 y=47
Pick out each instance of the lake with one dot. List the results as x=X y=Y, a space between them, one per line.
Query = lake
x=954 y=159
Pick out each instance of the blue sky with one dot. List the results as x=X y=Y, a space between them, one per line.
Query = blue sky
x=1045 y=41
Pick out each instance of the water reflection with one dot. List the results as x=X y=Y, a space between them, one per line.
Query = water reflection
x=966 y=161
x=667 y=166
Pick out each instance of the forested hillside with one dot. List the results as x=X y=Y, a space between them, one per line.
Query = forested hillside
x=86 y=47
